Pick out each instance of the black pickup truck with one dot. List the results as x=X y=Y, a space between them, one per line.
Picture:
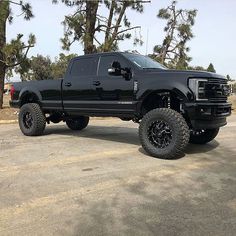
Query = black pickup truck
x=173 y=107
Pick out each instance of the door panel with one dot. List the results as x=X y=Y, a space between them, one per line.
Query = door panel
x=77 y=86
x=114 y=92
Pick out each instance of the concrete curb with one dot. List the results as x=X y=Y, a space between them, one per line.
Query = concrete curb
x=8 y=122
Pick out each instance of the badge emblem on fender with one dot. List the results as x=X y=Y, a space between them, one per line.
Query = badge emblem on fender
x=135 y=86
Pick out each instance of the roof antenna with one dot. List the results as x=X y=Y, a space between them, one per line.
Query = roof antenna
x=147 y=41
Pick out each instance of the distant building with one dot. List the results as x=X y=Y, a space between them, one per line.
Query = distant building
x=232 y=85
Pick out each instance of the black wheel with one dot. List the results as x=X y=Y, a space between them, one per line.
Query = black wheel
x=31 y=119
x=79 y=123
x=164 y=133
x=203 y=136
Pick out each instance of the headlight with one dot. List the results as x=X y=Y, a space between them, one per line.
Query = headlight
x=198 y=88
x=225 y=90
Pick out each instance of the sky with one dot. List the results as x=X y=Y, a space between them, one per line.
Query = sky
x=214 y=30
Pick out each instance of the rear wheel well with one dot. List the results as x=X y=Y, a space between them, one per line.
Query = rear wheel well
x=29 y=98
x=161 y=99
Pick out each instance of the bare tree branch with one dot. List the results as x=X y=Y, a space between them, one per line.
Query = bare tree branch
x=110 y=20
x=24 y=57
x=125 y=30
x=97 y=40
x=16 y=3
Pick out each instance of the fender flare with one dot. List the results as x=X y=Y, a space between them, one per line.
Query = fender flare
x=30 y=91
x=181 y=96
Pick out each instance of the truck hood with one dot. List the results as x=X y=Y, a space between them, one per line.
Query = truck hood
x=182 y=73
x=193 y=73
x=172 y=80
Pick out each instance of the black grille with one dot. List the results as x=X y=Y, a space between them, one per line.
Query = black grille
x=215 y=90
x=217 y=81
x=219 y=99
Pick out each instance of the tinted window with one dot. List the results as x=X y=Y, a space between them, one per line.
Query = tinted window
x=144 y=62
x=105 y=64
x=84 y=67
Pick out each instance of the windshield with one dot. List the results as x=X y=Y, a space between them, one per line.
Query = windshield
x=143 y=62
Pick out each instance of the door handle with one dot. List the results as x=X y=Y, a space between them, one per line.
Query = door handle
x=96 y=83
x=68 y=84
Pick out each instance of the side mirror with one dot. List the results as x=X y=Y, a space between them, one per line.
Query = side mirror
x=116 y=65
x=115 y=68
x=111 y=71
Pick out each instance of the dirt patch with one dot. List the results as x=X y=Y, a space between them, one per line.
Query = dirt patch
x=232 y=99
x=7 y=113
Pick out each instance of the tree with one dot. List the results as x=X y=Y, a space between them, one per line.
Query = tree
x=174 y=51
x=60 y=65
x=86 y=22
x=228 y=78
x=40 y=68
x=14 y=54
x=198 y=68
x=211 y=68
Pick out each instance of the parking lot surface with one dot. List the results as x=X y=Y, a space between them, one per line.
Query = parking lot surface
x=100 y=182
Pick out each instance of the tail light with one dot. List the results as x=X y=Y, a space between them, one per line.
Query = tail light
x=12 y=91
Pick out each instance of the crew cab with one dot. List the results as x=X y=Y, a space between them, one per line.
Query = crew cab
x=173 y=107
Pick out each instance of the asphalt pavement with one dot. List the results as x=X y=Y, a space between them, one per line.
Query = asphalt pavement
x=100 y=182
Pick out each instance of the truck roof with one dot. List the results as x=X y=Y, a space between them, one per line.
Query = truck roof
x=106 y=53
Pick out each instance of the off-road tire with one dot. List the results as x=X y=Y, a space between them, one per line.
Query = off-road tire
x=38 y=121
x=79 y=123
x=178 y=127
x=203 y=136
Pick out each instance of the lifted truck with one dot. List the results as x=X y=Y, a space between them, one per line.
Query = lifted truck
x=173 y=107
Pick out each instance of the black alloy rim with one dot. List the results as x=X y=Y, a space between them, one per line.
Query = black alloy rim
x=160 y=134
x=27 y=120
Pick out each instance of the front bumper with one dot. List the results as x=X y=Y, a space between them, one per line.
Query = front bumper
x=207 y=115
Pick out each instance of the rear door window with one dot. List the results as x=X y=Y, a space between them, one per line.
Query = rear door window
x=84 y=67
